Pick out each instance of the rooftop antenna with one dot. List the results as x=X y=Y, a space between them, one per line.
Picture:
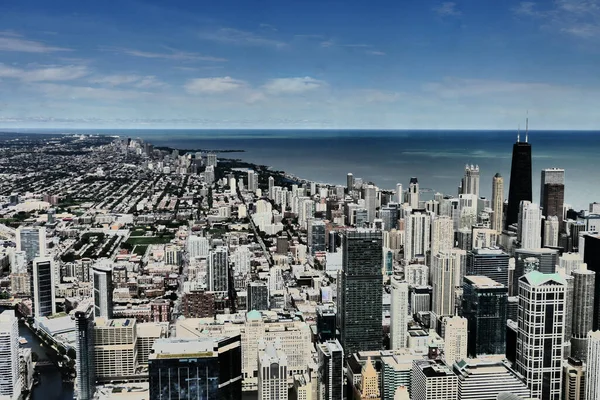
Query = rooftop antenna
x=527 y=128
x=519 y=134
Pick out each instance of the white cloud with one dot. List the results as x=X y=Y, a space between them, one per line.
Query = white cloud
x=49 y=73
x=213 y=85
x=173 y=54
x=242 y=38
x=376 y=53
x=447 y=9
x=292 y=85
x=139 y=81
x=10 y=41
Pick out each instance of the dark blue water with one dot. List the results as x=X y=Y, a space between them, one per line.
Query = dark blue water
x=437 y=158
x=51 y=386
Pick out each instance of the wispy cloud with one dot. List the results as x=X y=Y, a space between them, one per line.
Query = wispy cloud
x=447 y=9
x=213 y=85
x=292 y=85
x=459 y=87
x=138 y=81
x=376 y=53
x=379 y=96
x=241 y=38
x=579 y=18
x=62 y=91
x=172 y=54
x=12 y=41
x=48 y=73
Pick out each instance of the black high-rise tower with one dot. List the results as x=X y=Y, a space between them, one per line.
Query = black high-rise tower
x=520 y=179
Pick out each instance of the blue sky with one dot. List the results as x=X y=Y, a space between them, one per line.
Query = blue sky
x=407 y=64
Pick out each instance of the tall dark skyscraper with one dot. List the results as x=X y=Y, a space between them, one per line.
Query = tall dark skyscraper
x=84 y=346
x=484 y=305
x=203 y=368
x=490 y=262
x=520 y=180
x=552 y=192
x=360 y=291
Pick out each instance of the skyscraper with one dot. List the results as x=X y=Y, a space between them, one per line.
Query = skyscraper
x=201 y=368
x=10 y=381
x=371 y=202
x=330 y=371
x=444 y=267
x=455 y=339
x=520 y=180
x=103 y=290
x=85 y=366
x=470 y=182
x=484 y=304
x=592 y=378
x=551 y=231
x=218 y=270
x=44 y=301
x=497 y=201
x=442 y=234
x=416 y=236
x=398 y=314
x=316 y=236
x=399 y=194
x=591 y=256
x=31 y=240
x=258 y=296
x=252 y=181
x=583 y=310
x=413 y=193
x=529 y=233
x=360 y=292
x=272 y=372
x=433 y=380
x=492 y=263
x=552 y=192
x=541 y=327
x=349 y=183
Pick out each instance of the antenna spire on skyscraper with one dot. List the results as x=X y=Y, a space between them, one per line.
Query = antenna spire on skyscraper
x=527 y=128
x=519 y=134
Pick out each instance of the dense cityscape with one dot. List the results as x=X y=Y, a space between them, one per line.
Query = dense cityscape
x=157 y=273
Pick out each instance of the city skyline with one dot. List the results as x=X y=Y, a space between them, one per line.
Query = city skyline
x=409 y=65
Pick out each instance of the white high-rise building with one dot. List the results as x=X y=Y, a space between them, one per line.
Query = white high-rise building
x=252 y=181
x=272 y=372
x=529 y=232
x=455 y=339
x=398 y=314
x=592 y=378
x=433 y=380
x=198 y=246
x=470 y=183
x=10 y=381
x=417 y=274
x=399 y=194
x=442 y=234
x=371 y=202
x=551 y=231
x=444 y=267
x=416 y=237
x=541 y=331
x=31 y=240
x=413 y=193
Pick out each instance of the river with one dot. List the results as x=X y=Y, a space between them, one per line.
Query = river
x=51 y=386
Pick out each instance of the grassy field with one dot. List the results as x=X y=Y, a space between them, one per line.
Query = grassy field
x=140 y=250
x=146 y=240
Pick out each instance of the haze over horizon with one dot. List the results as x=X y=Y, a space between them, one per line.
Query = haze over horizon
x=272 y=65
